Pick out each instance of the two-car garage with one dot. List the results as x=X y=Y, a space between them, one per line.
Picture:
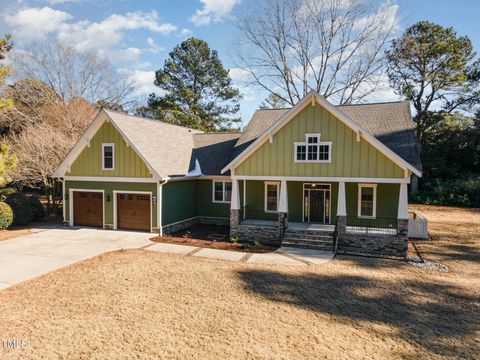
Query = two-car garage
x=131 y=211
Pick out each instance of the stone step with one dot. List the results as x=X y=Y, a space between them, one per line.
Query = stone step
x=307 y=236
x=308 y=241
x=312 y=233
x=324 y=247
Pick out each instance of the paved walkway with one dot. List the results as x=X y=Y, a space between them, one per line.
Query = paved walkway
x=48 y=249
x=282 y=256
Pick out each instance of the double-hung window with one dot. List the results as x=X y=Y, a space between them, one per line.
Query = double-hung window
x=272 y=193
x=313 y=150
x=222 y=191
x=108 y=156
x=367 y=200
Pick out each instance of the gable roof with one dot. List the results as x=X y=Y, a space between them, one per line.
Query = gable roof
x=166 y=149
x=387 y=126
x=212 y=150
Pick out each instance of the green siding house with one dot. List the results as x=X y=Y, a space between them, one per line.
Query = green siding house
x=314 y=175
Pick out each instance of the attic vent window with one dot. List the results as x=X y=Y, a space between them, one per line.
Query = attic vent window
x=313 y=150
x=108 y=156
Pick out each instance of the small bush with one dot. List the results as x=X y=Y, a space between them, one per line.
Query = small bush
x=7 y=191
x=22 y=211
x=37 y=208
x=6 y=215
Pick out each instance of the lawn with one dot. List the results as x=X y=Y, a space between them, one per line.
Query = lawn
x=140 y=304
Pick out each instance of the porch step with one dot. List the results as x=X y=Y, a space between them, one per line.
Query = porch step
x=320 y=240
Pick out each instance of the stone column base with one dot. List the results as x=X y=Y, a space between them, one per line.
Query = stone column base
x=234 y=222
x=282 y=223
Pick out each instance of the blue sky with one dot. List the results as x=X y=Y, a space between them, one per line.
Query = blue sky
x=138 y=34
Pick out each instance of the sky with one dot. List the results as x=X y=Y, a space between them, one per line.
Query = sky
x=137 y=35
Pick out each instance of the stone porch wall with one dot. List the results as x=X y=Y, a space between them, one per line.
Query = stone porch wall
x=168 y=229
x=372 y=244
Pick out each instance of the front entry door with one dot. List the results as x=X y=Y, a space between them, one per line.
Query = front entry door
x=317 y=206
x=316 y=203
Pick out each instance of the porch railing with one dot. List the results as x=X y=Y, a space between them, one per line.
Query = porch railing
x=372 y=226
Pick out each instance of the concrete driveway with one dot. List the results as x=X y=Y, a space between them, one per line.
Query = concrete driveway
x=25 y=257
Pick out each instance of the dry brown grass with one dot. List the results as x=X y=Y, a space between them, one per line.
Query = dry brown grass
x=140 y=304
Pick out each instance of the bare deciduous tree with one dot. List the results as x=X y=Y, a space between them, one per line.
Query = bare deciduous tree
x=41 y=146
x=335 y=47
x=72 y=74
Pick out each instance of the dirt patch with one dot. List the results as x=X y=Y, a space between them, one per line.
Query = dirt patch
x=213 y=237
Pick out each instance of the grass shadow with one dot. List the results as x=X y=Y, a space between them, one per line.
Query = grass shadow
x=428 y=314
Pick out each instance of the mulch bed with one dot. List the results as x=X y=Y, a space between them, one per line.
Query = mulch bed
x=210 y=236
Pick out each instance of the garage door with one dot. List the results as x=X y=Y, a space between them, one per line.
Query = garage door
x=88 y=208
x=133 y=211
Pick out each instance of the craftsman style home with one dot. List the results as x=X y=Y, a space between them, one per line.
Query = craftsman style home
x=316 y=175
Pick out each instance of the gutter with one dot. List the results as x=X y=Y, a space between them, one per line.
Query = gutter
x=159 y=205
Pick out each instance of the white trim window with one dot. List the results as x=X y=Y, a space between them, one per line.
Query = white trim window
x=222 y=191
x=108 y=156
x=313 y=150
x=272 y=196
x=367 y=200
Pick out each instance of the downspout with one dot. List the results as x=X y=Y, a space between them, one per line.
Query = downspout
x=159 y=205
x=62 y=180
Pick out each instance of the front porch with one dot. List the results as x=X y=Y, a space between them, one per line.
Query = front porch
x=334 y=207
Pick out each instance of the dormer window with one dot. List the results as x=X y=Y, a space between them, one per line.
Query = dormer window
x=108 y=156
x=313 y=150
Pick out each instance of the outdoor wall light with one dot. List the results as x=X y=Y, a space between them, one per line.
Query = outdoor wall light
x=66 y=196
x=107 y=198
x=154 y=200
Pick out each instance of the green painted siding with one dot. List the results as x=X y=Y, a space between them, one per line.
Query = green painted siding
x=127 y=161
x=179 y=201
x=109 y=187
x=206 y=207
x=349 y=157
x=387 y=200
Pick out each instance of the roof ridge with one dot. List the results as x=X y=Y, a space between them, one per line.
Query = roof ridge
x=375 y=103
x=219 y=133
x=150 y=119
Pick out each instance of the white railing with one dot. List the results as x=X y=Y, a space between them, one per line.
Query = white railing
x=417 y=225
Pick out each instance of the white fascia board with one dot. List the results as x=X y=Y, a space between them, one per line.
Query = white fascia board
x=339 y=115
x=81 y=143
x=92 y=129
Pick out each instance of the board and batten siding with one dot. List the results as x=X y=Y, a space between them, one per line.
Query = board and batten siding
x=349 y=157
x=127 y=161
x=108 y=188
x=179 y=201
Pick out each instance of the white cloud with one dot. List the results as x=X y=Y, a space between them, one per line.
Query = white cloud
x=35 y=23
x=109 y=32
x=185 y=33
x=238 y=74
x=142 y=82
x=153 y=46
x=215 y=10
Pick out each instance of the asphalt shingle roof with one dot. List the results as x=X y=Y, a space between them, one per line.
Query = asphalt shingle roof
x=173 y=150
x=391 y=123
x=166 y=147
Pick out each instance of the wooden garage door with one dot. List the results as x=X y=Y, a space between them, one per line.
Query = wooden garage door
x=133 y=211
x=88 y=208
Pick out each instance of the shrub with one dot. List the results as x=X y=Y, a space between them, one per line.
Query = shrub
x=37 y=208
x=7 y=191
x=22 y=211
x=6 y=215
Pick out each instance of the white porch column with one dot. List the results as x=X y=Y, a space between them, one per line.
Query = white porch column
x=283 y=201
x=235 y=202
x=403 y=202
x=341 y=204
